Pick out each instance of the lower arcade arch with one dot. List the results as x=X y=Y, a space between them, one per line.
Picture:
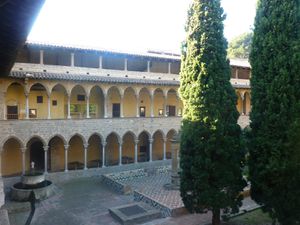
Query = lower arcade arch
x=128 y=148
x=56 y=155
x=76 y=153
x=112 y=150
x=144 y=147
x=11 y=158
x=158 y=146
x=35 y=155
x=94 y=154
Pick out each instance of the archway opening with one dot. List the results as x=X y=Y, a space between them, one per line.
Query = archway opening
x=112 y=150
x=96 y=103
x=159 y=103
x=144 y=103
x=143 y=147
x=78 y=102
x=11 y=158
x=38 y=102
x=56 y=154
x=158 y=146
x=15 y=102
x=36 y=155
x=59 y=101
x=128 y=148
x=129 y=103
x=114 y=102
x=94 y=157
x=76 y=153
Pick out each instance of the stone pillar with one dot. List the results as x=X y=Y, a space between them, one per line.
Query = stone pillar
x=175 y=147
x=41 y=57
x=236 y=73
x=85 y=146
x=23 y=150
x=125 y=64
x=2 y=195
x=165 y=104
x=46 y=148
x=165 y=148
x=150 y=149
x=122 y=106
x=137 y=105
x=72 y=59
x=103 y=154
x=49 y=107
x=105 y=105
x=87 y=107
x=148 y=66
x=66 y=157
x=136 y=142
x=27 y=105
x=69 y=107
x=152 y=105
x=100 y=62
x=169 y=68
x=120 y=153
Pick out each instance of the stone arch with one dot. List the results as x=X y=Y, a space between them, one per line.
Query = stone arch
x=8 y=84
x=130 y=101
x=76 y=152
x=145 y=102
x=114 y=98
x=39 y=84
x=35 y=153
x=113 y=141
x=96 y=102
x=170 y=135
x=13 y=137
x=144 y=146
x=128 y=145
x=78 y=100
x=94 y=154
x=15 y=101
x=158 y=145
x=38 y=100
x=172 y=102
x=11 y=157
x=56 y=156
x=79 y=135
x=159 y=100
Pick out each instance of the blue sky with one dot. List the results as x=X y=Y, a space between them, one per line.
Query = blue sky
x=129 y=25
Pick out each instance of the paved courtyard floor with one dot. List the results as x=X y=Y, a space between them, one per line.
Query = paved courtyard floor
x=85 y=201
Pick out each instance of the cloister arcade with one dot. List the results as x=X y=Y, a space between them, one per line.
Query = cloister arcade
x=243 y=102
x=49 y=100
x=58 y=154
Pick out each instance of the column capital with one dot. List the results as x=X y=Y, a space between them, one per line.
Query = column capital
x=150 y=140
x=165 y=139
x=104 y=143
x=23 y=150
x=46 y=148
x=86 y=145
x=136 y=141
x=66 y=147
x=120 y=142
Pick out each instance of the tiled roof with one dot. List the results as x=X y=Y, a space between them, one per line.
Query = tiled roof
x=90 y=78
x=240 y=63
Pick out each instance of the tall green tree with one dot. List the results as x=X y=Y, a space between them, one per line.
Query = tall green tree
x=240 y=46
x=211 y=156
x=275 y=137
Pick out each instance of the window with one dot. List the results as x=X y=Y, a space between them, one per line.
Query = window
x=116 y=110
x=171 y=110
x=12 y=112
x=160 y=112
x=32 y=113
x=39 y=99
x=142 y=111
x=80 y=98
x=54 y=102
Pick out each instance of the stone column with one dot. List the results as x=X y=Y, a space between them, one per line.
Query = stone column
x=49 y=107
x=122 y=106
x=125 y=64
x=136 y=142
x=148 y=66
x=137 y=105
x=66 y=157
x=165 y=148
x=100 y=62
x=165 y=104
x=46 y=148
x=150 y=149
x=69 y=107
x=87 y=107
x=120 y=153
x=152 y=104
x=169 y=68
x=23 y=150
x=85 y=146
x=175 y=145
x=105 y=105
x=41 y=57
x=72 y=59
x=27 y=105
x=103 y=154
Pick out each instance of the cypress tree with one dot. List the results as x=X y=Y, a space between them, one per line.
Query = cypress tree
x=211 y=155
x=274 y=164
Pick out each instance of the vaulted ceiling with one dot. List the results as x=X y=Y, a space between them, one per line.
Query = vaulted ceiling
x=16 y=20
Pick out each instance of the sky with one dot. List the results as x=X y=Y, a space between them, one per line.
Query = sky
x=129 y=25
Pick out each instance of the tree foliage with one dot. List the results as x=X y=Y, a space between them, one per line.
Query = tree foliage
x=211 y=156
x=240 y=46
x=275 y=137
